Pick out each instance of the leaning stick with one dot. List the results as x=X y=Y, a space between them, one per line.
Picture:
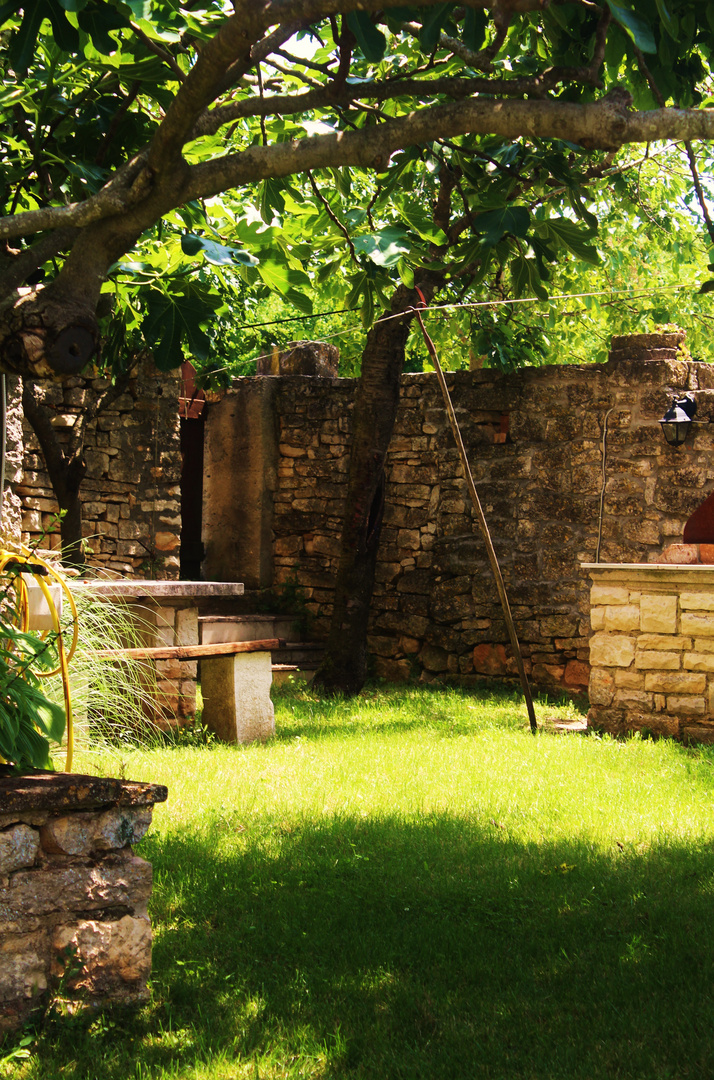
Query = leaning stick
x=492 y=558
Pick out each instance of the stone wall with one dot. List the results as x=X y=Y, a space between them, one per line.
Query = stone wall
x=535 y=442
x=131 y=492
x=73 y=896
x=652 y=650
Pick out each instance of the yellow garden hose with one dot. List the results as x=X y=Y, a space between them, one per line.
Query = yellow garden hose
x=27 y=562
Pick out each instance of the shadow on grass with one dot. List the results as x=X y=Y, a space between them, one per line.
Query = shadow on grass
x=418 y=951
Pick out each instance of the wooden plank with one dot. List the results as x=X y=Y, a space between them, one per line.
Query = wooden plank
x=191 y=652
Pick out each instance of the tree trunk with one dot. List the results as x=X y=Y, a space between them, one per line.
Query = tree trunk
x=344 y=667
x=66 y=464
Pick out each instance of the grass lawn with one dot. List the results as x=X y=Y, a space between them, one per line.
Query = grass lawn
x=409 y=885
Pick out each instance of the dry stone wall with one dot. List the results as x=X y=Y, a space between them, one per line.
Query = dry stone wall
x=535 y=442
x=73 y=896
x=131 y=492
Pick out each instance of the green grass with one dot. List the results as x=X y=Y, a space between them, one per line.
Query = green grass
x=411 y=886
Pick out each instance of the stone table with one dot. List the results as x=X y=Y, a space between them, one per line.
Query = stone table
x=164 y=613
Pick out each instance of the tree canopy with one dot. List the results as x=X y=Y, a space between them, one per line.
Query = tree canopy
x=294 y=143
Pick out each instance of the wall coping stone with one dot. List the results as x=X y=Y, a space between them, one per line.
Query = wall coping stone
x=651 y=572
x=72 y=791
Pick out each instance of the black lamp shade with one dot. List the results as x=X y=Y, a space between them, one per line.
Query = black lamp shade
x=677 y=421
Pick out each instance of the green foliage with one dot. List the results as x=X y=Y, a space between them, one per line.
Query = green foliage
x=523 y=218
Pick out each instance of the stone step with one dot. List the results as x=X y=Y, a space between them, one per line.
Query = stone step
x=306 y=654
x=283 y=672
x=214 y=629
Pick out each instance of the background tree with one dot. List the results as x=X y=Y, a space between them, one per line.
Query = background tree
x=124 y=117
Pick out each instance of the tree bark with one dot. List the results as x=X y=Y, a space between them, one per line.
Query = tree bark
x=344 y=667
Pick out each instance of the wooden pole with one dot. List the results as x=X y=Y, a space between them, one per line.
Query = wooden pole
x=492 y=558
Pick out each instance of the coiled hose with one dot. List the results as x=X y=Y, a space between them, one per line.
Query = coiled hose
x=27 y=562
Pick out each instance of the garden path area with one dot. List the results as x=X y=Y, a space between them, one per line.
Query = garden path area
x=409 y=886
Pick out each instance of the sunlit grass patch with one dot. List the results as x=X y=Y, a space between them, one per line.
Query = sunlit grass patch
x=410 y=884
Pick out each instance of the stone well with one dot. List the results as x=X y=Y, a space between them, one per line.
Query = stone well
x=652 y=649
x=73 y=896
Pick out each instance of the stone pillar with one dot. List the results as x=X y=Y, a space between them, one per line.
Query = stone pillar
x=73 y=896
x=652 y=650
x=240 y=466
x=236 y=697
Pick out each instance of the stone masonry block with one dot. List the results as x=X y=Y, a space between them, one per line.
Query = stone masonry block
x=119 y=881
x=686 y=704
x=633 y=700
x=703 y=733
x=703 y=645
x=611 y=650
x=633 y=680
x=658 y=613
x=85 y=833
x=602 y=686
x=19 y=847
x=695 y=624
x=697 y=601
x=24 y=964
x=608 y=595
x=597 y=618
x=622 y=617
x=664 y=642
x=659 y=661
x=698 y=661
x=675 y=682
x=115 y=956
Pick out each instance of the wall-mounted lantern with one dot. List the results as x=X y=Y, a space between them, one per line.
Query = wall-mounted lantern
x=678 y=419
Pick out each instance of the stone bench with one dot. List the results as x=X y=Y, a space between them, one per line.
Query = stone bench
x=236 y=677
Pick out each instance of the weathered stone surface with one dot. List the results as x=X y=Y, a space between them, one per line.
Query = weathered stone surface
x=659 y=660
x=698 y=661
x=686 y=705
x=694 y=623
x=601 y=687
x=115 y=957
x=82 y=834
x=491 y=659
x=696 y=601
x=679 y=555
x=623 y=617
x=19 y=847
x=576 y=674
x=75 y=899
x=634 y=680
x=140 y=469
x=667 y=682
x=608 y=595
x=665 y=642
x=120 y=880
x=434 y=658
x=24 y=964
x=392 y=670
x=658 y=613
x=55 y=791
x=698 y=733
x=318 y=358
x=611 y=650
